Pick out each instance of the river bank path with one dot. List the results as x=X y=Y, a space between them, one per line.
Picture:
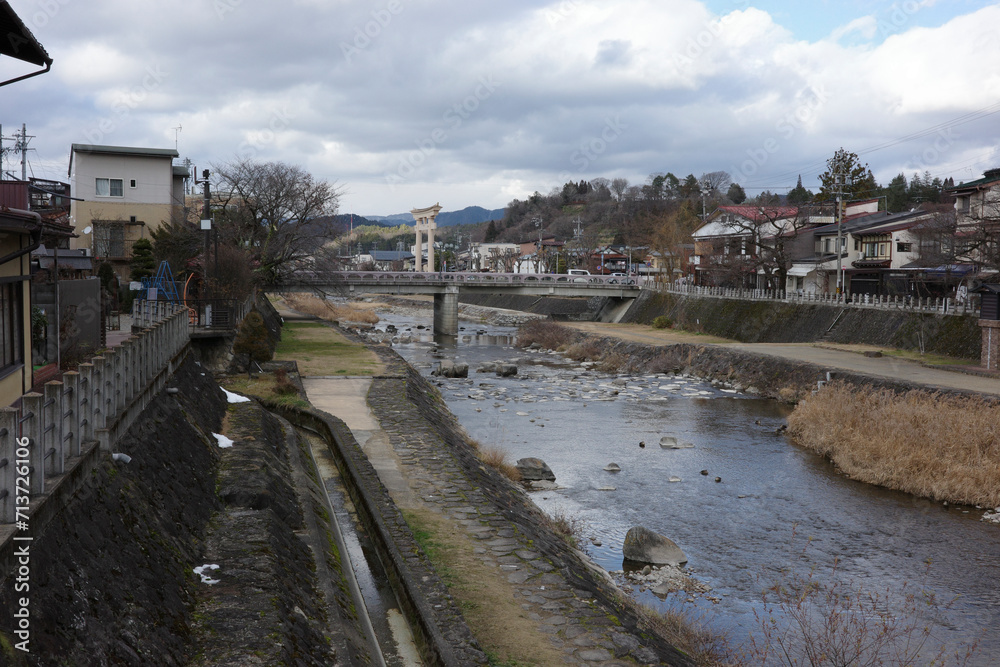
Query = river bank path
x=848 y=358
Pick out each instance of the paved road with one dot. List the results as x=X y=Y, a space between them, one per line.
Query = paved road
x=832 y=359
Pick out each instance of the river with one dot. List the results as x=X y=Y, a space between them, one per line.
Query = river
x=777 y=514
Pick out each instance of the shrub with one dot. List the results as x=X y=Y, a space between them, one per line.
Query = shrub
x=253 y=340
x=283 y=386
x=546 y=333
x=662 y=322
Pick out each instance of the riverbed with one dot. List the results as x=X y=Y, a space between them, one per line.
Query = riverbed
x=749 y=509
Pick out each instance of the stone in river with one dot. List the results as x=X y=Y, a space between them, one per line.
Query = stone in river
x=644 y=546
x=532 y=469
x=613 y=467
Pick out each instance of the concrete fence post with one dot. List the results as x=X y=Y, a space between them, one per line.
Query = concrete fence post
x=112 y=377
x=31 y=427
x=8 y=462
x=99 y=402
x=86 y=402
x=71 y=411
x=52 y=429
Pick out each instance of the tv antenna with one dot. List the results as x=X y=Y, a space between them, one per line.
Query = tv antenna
x=177 y=131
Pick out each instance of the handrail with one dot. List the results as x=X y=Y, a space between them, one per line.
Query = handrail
x=98 y=401
x=939 y=305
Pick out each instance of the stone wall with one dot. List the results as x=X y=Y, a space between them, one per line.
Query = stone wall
x=777 y=322
x=109 y=574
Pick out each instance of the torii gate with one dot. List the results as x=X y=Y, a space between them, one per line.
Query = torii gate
x=424 y=218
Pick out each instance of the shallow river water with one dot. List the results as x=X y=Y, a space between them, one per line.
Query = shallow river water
x=778 y=514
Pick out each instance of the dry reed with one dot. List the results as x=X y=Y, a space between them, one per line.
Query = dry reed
x=326 y=310
x=496 y=458
x=937 y=446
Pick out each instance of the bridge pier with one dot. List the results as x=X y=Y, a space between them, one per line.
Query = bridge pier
x=446 y=311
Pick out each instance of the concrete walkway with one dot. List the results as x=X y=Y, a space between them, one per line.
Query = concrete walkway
x=829 y=358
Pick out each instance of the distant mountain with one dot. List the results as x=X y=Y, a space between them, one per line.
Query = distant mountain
x=347 y=220
x=469 y=215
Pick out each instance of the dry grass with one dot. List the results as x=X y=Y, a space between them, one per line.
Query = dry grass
x=935 y=446
x=332 y=312
x=496 y=457
x=585 y=350
x=546 y=333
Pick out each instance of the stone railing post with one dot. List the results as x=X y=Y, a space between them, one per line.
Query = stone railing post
x=52 y=429
x=112 y=390
x=8 y=462
x=72 y=425
x=31 y=427
x=86 y=401
x=100 y=417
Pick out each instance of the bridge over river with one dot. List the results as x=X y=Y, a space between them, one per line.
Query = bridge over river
x=445 y=287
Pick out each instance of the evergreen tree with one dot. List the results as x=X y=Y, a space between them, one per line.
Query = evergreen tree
x=799 y=195
x=736 y=194
x=491 y=232
x=896 y=197
x=143 y=264
x=252 y=340
x=859 y=182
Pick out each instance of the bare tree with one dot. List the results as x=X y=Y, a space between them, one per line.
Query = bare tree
x=619 y=186
x=768 y=238
x=717 y=183
x=274 y=210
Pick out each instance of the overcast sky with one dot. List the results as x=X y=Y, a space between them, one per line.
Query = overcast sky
x=407 y=103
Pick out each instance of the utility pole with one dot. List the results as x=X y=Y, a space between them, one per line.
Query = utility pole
x=538 y=255
x=840 y=181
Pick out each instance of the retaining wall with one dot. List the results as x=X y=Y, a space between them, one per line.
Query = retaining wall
x=779 y=322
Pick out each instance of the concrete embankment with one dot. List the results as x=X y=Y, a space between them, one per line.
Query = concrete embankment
x=550 y=594
x=778 y=322
x=112 y=575
x=110 y=578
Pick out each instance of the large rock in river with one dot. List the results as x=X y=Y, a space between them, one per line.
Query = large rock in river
x=533 y=470
x=506 y=370
x=644 y=546
x=451 y=369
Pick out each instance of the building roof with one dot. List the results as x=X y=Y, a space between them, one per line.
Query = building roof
x=990 y=177
x=761 y=213
x=17 y=41
x=391 y=255
x=875 y=223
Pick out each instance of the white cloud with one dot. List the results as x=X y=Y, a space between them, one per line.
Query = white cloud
x=691 y=91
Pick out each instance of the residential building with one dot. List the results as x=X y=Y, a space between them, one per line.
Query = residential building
x=877 y=252
x=729 y=249
x=388 y=260
x=126 y=193
x=977 y=225
x=20 y=233
x=494 y=257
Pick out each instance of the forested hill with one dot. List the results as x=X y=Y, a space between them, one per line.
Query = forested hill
x=467 y=216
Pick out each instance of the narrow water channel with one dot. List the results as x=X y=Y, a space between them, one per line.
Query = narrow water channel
x=778 y=513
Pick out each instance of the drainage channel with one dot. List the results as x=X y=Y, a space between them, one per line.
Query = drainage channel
x=378 y=609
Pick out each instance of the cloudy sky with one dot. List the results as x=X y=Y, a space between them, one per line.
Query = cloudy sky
x=408 y=103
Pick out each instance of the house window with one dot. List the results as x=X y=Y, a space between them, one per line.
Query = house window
x=132 y=184
x=11 y=326
x=903 y=247
x=110 y=187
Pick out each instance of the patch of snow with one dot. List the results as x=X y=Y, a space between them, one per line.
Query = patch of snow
x=235 y=398
x=223 y=441
x=205 y=579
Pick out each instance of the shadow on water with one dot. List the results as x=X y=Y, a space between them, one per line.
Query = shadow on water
x=777 y=511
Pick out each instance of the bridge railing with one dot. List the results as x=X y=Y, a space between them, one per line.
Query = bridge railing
x=938 y=305
x=461 y=277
